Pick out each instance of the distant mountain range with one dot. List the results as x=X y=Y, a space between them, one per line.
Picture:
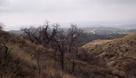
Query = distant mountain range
x=109 y=30
x=99 y=30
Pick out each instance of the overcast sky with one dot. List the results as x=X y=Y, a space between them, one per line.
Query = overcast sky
x=15 y=13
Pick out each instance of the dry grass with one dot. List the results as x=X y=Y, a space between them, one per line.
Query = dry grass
x=100 y=59
x=119 y=54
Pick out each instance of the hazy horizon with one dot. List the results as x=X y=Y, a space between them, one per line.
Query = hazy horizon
x=18 y=13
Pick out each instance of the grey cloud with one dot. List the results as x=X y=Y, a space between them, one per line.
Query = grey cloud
x=121 y=1
x=17 y=11
x=3 y=2
x=117 y=2
x=40 y=6
x=110 y=2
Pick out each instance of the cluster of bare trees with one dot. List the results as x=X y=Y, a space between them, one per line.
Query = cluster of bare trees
x=52 y=36
x=42 y=35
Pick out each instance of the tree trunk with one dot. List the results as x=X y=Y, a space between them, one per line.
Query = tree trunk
x=73 y=66
x=62 y=60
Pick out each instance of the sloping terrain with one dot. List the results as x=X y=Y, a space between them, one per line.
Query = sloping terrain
x=118 y=54
x=14 y=64
x=20 y=58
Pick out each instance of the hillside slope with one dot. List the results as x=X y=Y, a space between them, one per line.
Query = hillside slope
x=20 y=58
x=118 y=54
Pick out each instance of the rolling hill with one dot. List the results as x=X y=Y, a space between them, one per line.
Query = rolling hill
x=118 y=54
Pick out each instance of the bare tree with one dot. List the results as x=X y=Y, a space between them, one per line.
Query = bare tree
x=39 y=66
x=49 y=34
x=60 y=42
x=67 y=41
x=73 y=43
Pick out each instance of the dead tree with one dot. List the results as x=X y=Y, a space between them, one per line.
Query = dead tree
x=39 y=66
x=60 y=46
x=73 y=43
